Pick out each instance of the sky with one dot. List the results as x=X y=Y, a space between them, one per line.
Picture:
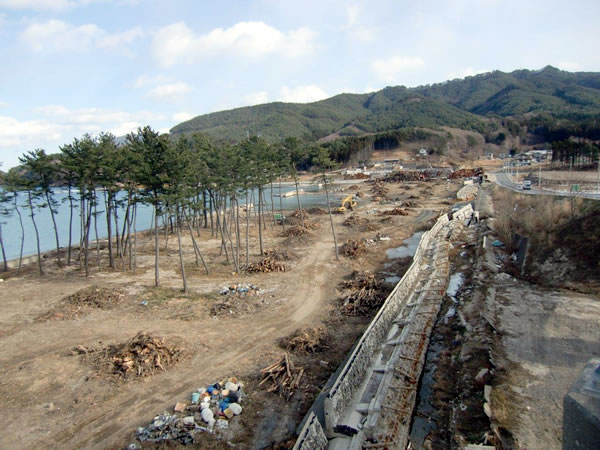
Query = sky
x=84 y=66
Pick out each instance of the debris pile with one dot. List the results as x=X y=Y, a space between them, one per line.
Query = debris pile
x=357 y=176
x=316 y=210
x=295 y=231
x=415 y=175
x=362 y=293
x=295 y=218
x=379 y=189
x=266 y=265
x=306 y=340
x=141 y=356
x=466 y=173
x=394 y=212
x=242 y=289
x=361 y=224
x=210 y=410
x=82 y=301
x=282 y=376
x=353 y=249
x=277 y=255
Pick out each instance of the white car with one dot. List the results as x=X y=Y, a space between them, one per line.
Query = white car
x=520 y=186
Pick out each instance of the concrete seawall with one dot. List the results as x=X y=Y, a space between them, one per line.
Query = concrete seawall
x=362 y=385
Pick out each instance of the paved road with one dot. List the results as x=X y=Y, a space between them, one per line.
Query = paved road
x=503 y=180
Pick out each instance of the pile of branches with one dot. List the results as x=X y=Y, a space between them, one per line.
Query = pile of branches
x=394 y=212
x=357 y=176
x=405 y=175
x=95 y=297
x=379 y=189
x=362 y=293
x=306 y=340
x=266 y=265
x=277 y=255
x=466 y=173
x=353 y=249
x=282 y=376
x=295 y=231
x=361 y=224
x=141 y=356
x=316 y=210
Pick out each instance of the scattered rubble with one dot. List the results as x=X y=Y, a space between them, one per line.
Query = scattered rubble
x=306 y=340
x=353 y=249
x=379 y=189
x=210 y=407
x=141 y=356
x=277 y=255
x=283 y=376
x=362 y=294
x=241 y=289
x=415 y=175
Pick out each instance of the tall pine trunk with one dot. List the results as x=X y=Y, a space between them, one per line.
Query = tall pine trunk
x=3 y=251
x=47 y=193
x=181 y=262
x=247 y=228
x=37 y=233
x=22 y=235
x=156 y=251
x=337 y=255
x=108 y=202
x=70 y=225
x=281 y=206
x=260 y=236
x=298 y=198
x=96 y=231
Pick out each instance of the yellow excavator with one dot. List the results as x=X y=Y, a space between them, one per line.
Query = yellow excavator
x=347 y=203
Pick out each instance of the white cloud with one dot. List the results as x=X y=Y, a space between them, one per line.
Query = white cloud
x=4 y=104
x=54 y=5
x=352 y=12
x=302 y=94
x=177 y=43
x=169 y=91
x=146 y=80
x=467 y=72
x=570 y=66
x=120 y=38
x=93 y=116
x=388 y=70
x=182 y=117
x=125 y=128
x=256 y=98
x=15 y=133
x=56 y=35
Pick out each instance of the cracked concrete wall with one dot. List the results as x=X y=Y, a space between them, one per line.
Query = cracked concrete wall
x=352 y=374
x=312 y=436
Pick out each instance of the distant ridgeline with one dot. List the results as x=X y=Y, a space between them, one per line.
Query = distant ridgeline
x=549 y=103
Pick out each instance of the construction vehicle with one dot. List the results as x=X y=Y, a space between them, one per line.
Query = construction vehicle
x=347 y=203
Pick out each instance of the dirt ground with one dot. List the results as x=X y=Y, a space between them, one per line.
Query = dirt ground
x=52 y=398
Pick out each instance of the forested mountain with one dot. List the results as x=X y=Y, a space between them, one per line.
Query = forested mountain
x=459 y=103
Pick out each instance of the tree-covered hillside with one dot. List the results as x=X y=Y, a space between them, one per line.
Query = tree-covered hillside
x=457 y=103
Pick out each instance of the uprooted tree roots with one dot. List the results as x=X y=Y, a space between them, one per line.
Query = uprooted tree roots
x=306 y=340
x=353 y=249
x=394 y=212
x=141 y=356
x=284 y=377
x=361 y=294
x=295 y=231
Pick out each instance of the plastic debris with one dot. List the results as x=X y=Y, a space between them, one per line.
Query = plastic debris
x=497 y=243
x=210 y=411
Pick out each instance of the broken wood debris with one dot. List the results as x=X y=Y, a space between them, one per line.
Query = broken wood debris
x=306 y=340
x=362 y=293
x=282 y=377
x=266 y=265
x=353 y=249
x=141 y=356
